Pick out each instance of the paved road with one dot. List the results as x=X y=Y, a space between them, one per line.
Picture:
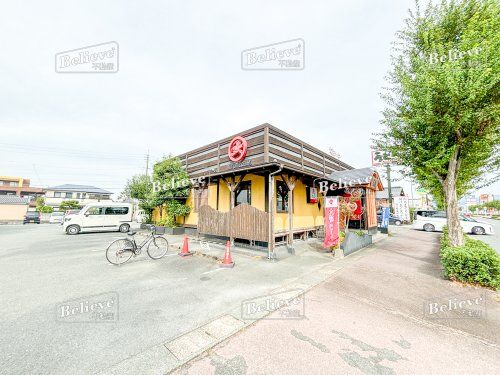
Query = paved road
x=41 y=268
x=492 y=240
x=372 y=317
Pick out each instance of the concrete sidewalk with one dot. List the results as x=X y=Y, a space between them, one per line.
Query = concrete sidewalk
x=373 y=316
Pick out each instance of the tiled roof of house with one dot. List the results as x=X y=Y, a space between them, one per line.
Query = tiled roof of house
x=395 y=190
x=79 y=188
x=13 y=199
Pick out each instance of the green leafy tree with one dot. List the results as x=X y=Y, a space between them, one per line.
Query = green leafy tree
x=174 y=209
x=69 y=205
x=40 y=201
x=44 y=209
x=170 y=180
x=442 y=114
x=167 y=190
x=494 y=205
x=140 y=187
x=475 y=207
x=171 y=186
x=41 y=207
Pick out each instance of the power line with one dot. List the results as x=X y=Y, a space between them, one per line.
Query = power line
x=65 y=150
x=70 y=154
x=73 y=167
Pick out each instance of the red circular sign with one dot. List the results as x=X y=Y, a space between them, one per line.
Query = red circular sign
x=237 y=149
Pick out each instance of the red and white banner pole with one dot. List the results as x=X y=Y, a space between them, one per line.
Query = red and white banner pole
x=331 y=222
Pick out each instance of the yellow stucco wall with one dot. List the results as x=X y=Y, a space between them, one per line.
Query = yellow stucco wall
x=304 y=215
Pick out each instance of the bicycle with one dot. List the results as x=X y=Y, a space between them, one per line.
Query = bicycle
x=120 y=251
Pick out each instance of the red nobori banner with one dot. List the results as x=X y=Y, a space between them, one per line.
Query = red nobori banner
x=331 y=221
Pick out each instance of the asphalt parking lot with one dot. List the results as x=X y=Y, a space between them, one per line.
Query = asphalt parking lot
x=41 y=268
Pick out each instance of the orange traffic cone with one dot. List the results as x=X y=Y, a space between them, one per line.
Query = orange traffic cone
x=185 y=248
x=227 y=262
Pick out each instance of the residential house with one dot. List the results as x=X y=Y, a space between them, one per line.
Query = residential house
x=382 y=197
x=83 y=194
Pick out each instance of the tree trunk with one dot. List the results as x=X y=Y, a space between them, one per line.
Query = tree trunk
x=455 y=232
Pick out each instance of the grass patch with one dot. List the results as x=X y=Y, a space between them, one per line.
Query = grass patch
x=475 y=262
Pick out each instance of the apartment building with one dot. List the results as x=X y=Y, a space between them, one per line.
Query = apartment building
x=18 y=186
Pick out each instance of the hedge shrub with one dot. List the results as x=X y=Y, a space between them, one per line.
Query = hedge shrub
x=45 y=209
x=474 y=262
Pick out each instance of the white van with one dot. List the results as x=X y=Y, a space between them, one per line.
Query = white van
x=100 y=217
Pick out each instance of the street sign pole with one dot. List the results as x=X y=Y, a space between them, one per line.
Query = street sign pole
x=388 y=169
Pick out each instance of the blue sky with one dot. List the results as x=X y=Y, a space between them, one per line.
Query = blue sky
x=180 y=83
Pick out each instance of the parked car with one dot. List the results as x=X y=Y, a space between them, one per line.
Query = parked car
x=394 y=220
x=56 y=217
x=420 y=214
x=438 y=221
x=100 y=217
x=32 y=216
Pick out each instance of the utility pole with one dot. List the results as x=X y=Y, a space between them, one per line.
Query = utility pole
x=388 y=171
x=147 y=163
x=411 y=194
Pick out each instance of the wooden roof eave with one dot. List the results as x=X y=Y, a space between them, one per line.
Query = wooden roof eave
x=265 y=167
x=261 y=128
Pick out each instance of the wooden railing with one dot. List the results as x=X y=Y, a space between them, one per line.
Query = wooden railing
x=244 y=221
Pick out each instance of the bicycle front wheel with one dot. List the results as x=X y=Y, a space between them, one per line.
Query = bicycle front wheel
x=157 y=247
x=119 y=251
